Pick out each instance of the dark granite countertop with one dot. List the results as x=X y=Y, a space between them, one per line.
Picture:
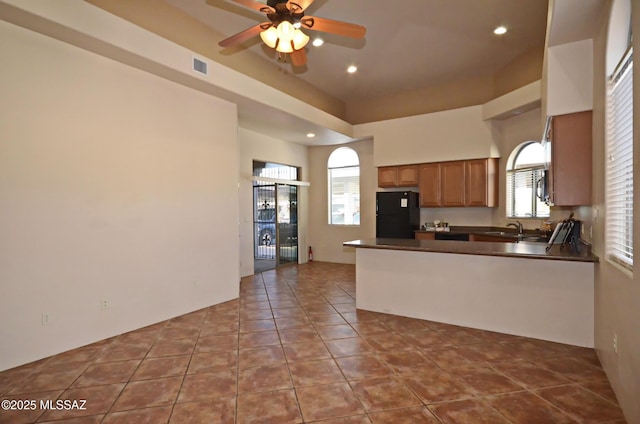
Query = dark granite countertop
x=523 y=249
x=497 y=232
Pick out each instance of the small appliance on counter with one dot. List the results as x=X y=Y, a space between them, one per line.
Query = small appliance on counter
x=567 y=232
x=397 y=214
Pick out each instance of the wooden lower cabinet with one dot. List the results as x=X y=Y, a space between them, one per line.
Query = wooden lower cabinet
x=481 y=237
x=425 y=236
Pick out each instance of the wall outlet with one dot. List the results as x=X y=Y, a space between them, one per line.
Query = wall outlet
x=615 y=343
x=104 y=304
x=45 y=319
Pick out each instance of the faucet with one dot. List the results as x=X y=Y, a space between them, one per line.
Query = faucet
x=517 y=226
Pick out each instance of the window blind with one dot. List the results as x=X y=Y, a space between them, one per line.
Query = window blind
x=619 y=169
x=522 y=200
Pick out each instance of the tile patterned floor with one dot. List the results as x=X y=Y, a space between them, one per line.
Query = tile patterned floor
x=294 y=349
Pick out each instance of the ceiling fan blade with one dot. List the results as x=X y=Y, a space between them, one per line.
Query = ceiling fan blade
x=299 y=57
x=298 y=6
x=335 y=27
x=260 y=7
x=243 y=36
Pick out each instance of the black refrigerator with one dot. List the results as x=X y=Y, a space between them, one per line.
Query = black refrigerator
x=397 y=214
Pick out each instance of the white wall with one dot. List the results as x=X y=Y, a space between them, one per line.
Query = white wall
x=114 y=184
x=254 y=146
x=570 y=78
x=617 y=302
x=434 y=137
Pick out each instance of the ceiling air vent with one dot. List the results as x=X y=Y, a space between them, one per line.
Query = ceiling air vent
x=200 y=66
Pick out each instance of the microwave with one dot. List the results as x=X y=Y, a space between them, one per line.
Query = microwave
x=542 y=187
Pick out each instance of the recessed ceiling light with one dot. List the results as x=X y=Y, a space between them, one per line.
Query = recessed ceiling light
x=500 y=30
x=318 y=42
x=311 y=135
x=352 y=69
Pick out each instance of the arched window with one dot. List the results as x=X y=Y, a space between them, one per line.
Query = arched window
x=525 y=173
x=344 y=187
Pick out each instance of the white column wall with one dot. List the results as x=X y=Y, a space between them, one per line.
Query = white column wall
x=115 y=185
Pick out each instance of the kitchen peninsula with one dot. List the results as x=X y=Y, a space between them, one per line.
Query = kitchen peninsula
x=513 y=288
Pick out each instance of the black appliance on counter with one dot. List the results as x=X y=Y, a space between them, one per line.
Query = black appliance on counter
x=397 y=214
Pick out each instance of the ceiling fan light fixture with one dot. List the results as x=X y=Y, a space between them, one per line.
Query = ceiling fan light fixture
x=285 y=31
x=318 y=42
x=270 y=37
x=300 y=39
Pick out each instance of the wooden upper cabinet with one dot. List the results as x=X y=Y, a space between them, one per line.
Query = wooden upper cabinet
x=452 y=180
x=387 y=176
x=408 y=176
x=481 y=182
x=429 y=184
x=398 y=176
x=571 y=169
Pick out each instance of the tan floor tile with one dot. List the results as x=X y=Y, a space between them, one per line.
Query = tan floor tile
x=407 y=362
x=525 y=408
x=279 y=407
x=107 y=373
x=417 y=415
x=125 y=351
x=217 y=411
x=581 y=404
x=29 y=412
x=484 y=381
x=323 y=402
x=356 y=419
x=208 y=386
x=573 y=369
x=157 y=415
x=315 y=372
x=332 y=332
x=355 y=346
x=98 y=401
x=384 y=393
x=299 y=335
x=363 y=367
x=530 y=375
x=216 y=343
x=54 y=377
x=172 y=348
x=213 y=361
x=264 y=338
x=472 y=411
x=436 y=385
x=148 y=393
x=260 y=356
x=95 y=419
x=169 y=366
x=306 y=351
x=264 y=378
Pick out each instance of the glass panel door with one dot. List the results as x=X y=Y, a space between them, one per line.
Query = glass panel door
x=264 y=221
x=287 y=220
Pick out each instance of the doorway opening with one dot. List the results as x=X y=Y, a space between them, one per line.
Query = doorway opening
x=275 y=212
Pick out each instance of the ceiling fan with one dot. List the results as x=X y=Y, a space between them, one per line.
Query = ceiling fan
x=282 y=32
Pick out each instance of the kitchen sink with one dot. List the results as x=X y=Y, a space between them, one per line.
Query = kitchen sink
x=496 y=233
